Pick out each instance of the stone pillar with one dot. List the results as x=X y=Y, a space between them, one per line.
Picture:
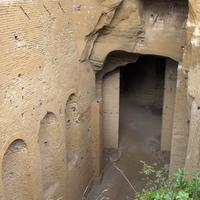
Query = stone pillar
x=180 y=126
x=97 y=139
x=168 y=104
x=111 y=95
x=192 y=163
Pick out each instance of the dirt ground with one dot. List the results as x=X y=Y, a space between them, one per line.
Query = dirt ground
x=139 y=140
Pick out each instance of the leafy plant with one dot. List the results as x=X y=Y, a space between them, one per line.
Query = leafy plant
x=159 y=187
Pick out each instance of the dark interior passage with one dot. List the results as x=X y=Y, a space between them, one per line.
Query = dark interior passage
x=143 y=81
x=141 y=102
x=141 y=97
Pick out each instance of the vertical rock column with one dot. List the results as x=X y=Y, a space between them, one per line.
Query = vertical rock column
x=168 y=104
x=192 y=163
x=97 y=144
x=180 y=124
x=111 y=92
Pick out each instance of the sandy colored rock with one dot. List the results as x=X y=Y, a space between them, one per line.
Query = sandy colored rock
x=53 y=61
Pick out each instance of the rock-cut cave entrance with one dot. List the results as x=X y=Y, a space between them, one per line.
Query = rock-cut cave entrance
x=141 y=102
x=138 y=104
x=147 y=96
x=147 y=92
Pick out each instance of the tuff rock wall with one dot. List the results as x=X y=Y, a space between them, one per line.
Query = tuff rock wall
x=191 y=66
x=45 y=103
x=50 y=119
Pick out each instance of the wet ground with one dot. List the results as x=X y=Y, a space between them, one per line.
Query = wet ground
x=139 y=140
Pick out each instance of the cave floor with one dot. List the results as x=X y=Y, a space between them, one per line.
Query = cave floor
x=139 y=140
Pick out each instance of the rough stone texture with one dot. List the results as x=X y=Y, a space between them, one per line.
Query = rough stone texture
x=136 y=27
x=168 y=104
x=39 y=71
x=111 y=92
x=41 y=45
x=188 y=122
x=139 y=26
x=180 y=124
x=193 y=152
x=16 y=172
x=192 y=67
x=96 y=127
x=52 y=165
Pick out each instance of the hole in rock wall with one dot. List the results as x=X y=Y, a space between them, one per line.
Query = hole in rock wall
x=16 y=172
x=72 y=130
x=50 y=153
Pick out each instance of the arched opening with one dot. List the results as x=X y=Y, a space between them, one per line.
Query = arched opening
x=138 y=104
x=72 y=130
x=51 y=148
x=16 y=175
x=73 y=148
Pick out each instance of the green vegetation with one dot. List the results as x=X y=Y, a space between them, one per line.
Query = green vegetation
x=159 y=187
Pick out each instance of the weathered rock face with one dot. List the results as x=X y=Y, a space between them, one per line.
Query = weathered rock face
x=185 y=149
x=145 y=27
x=39 y=72
x=192 y=70
x=48 y=97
